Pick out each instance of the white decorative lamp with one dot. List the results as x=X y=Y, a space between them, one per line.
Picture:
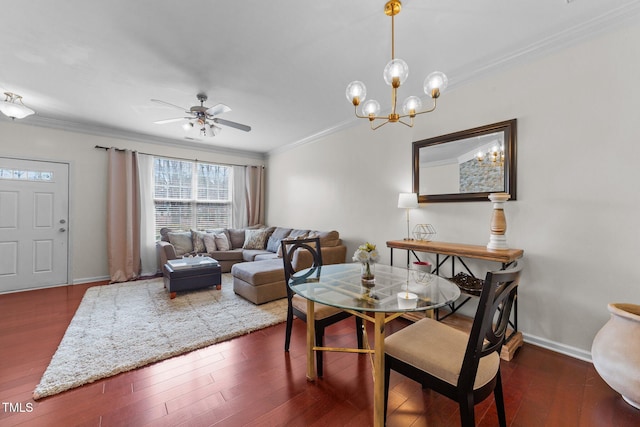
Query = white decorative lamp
x=408 y=201
x=497 y=239
x=13 y=107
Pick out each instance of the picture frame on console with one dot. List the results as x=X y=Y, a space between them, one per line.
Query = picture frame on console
x=468 y=165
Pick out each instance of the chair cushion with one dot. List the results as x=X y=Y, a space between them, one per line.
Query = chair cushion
x=229 y=255
x=321 y=311
x=251 y=254
x=438 y=349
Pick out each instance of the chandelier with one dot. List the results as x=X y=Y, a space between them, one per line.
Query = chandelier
x=395 y=74
x=13 y=107
x=492 y=157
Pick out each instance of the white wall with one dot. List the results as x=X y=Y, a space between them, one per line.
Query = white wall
x=88 y=182
x=578 y=203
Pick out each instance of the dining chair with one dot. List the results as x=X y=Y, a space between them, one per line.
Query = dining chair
x=294 y=254
x=463 y=366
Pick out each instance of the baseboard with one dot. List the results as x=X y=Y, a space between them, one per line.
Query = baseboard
x=558 y=347
x=90 y=280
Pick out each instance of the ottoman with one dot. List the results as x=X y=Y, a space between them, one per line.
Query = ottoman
x=259 y=281
x=191 y=273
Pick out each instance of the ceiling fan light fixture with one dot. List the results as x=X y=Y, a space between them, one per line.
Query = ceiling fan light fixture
x=215 y=130
x=13 y=107
x=200 y=117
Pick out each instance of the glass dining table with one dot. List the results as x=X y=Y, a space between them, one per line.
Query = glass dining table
x=395 y=291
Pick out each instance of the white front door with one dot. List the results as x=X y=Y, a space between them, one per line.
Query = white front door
x=34 y=215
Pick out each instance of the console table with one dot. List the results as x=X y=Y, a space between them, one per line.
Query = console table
x=455 y=254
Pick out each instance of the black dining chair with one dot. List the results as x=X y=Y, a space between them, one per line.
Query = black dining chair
x=297 y=255
x=464 y=367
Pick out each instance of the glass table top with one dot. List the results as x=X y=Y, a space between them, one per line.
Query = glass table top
x=395 y=289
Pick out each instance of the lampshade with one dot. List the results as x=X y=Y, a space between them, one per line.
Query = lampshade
x=396 y=72
x=356 y=92
x=411 y=105
x=435 y=84
x=13 y=107
x=408 y=200
x=371 y=107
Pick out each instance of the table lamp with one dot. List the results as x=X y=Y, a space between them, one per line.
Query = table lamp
x=408 y=201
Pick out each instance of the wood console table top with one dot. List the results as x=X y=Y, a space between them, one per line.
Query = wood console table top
x=458 y=249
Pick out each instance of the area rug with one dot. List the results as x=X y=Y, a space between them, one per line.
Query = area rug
x=123 y=326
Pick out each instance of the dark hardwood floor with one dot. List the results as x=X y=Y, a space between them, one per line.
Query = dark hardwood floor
x=251 y=381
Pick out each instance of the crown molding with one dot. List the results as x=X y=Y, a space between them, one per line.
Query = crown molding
x=611 y=20
x=109 y=132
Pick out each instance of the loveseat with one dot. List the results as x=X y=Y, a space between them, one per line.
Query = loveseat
x=259 y=272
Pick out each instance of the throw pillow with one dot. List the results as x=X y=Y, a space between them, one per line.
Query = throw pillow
x=273 y=244
x=236 y=237
x=327 y=238
x=255 y=239
x=198 y=243
x=164 y=236
x=222 y=243
x=210 y=242
x=289 y=239
x=181 y=241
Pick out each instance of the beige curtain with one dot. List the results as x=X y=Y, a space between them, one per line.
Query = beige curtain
x=123 y=216
x=255 y=194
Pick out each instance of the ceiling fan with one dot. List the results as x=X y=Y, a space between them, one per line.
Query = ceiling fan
x=203 y=117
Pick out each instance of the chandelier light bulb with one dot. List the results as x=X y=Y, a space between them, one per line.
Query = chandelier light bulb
x=187 y=126
x=356 y=92
x=435 y=84
x=411 y=105
x=396 y=72
x=371 y=108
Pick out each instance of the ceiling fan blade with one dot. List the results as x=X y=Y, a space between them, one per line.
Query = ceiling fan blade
x=169 y=105
x=232 y=124
x=218 y=109
x=177 y=119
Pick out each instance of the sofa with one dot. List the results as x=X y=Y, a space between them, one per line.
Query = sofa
x=252 y=255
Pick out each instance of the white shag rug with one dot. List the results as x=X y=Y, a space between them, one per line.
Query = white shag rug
x=123 y=326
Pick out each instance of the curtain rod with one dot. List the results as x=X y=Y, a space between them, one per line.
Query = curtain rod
x=174 y=158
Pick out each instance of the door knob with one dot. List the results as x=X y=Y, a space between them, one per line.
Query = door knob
x=62 y=229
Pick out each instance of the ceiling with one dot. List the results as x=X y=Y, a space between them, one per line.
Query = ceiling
x=282 y=66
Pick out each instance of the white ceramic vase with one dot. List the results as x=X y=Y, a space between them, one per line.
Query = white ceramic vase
x=616 y=352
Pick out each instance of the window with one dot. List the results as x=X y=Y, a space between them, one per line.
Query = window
x=191 y=194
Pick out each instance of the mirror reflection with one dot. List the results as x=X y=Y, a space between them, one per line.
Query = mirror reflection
x=466 y=165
